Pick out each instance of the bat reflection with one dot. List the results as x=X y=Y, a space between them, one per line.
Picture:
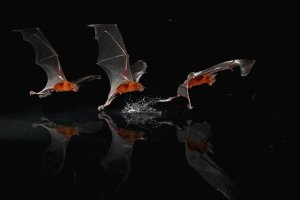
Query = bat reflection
x=119 y=155
x=61 y=134
x=47 y=58
x=207 y=76
x=114 y=59
x=197 y=149
x=120 y=151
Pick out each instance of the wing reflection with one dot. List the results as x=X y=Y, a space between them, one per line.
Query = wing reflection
x=197 y=149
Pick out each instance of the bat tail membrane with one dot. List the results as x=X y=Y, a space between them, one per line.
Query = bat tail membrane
x=245 y=66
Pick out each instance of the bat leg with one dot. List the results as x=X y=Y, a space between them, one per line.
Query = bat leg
x=31 y=93
x=101 y=108
x=189 y=103
x=167 y=100
x=190 y=106
x=41 y=94
x=108 y=102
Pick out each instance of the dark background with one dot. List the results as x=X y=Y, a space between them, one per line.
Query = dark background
x=175 y=39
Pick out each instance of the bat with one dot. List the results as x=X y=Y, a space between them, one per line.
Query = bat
x=114 y=59
x=47 y=58
x=207 y=76
x=61 y=134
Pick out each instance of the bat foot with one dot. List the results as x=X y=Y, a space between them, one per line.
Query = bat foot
x=31 y=93
x=190 y=107
x=44 y=95
x=212 y=79
x=101 y=108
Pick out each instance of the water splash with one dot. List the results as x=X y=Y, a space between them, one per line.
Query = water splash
x=141 y=112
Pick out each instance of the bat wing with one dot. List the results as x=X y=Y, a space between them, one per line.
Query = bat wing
x=138 y=69
x=45 y=56
x=113 y=57
x=245 y=68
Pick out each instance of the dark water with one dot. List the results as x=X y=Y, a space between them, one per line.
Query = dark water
x=81 y=153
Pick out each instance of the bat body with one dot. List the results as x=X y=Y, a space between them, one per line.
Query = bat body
x=207 y=76
x=114 y=59
x=47 y=58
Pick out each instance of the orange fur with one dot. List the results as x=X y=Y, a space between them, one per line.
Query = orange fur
x=65 y=86
x=202 y=79
x=130 y=86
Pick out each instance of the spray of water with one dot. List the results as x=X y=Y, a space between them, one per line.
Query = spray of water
x=141 y=112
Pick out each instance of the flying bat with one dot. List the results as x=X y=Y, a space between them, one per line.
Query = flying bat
x=114 y=59
x=47 y=58
x=207 y=76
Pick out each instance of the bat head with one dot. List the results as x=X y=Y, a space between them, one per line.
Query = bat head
x=139 y=87
x=74 y=87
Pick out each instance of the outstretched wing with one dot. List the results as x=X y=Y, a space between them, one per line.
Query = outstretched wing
x=138 y=69
x=113 y=57
x=45 y=56
x=245 y=67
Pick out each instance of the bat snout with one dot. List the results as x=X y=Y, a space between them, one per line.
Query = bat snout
x=74 y=87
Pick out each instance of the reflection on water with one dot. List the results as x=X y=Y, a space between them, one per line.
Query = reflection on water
x=197 y=150
x=116 y=158
x=54 y=156
x=120 y=151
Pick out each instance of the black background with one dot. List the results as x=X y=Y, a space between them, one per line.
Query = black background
x=175 y=39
